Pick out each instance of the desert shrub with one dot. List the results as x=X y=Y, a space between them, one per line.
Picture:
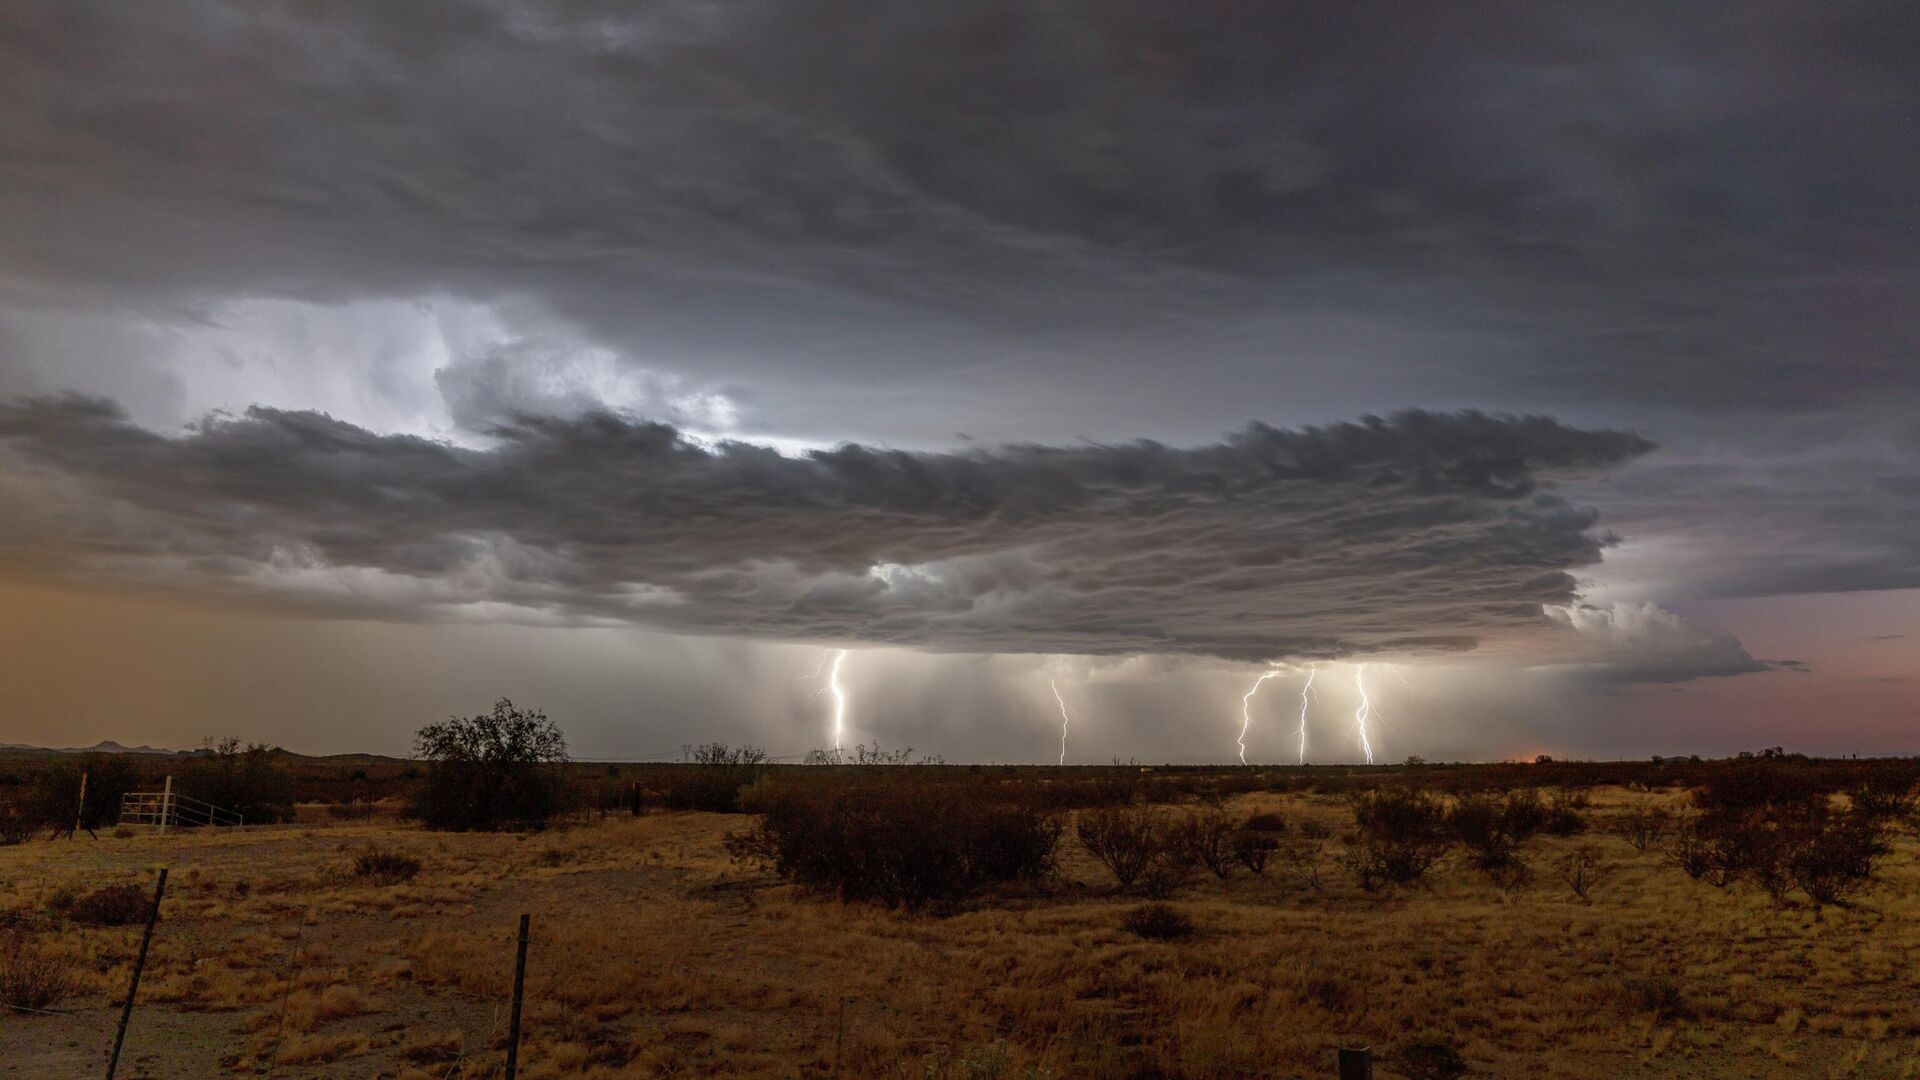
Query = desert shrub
x=1660 y=995
x=1644 y=826
x=1778 y=830
x=251 y=781
x=385 y=866
x=31 y=976
x=1583 y=868
x=1170 y=869
x=1253 y=849
x=1400 y=833
x=1303 y=856
x=1885 y=794
x=1124 y=839
x=491 y=771
x=1157 y=922
x=16 y=825
x=715 y=779
x=53 y=799
x=1564 y=817
x=110 y=905
x=1833 y=855
x=1481 y=825
x=1522 y=813
x=1429 y=1056
x=1265 y=822
x=1206 y=838
x=1315 y=830
x=898 y=841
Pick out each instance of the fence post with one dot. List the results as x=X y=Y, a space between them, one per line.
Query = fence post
x=839 y=1034
x=519 y=988
x=139 y=962
x=166 y=805
x=1356 y=1064
x=80 y=812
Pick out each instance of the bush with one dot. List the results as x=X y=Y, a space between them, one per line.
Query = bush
x=1834 y=855
x=1777 y=836
x=1583 y=868
x=1644 y=826
x=1157 y=922
x=1429 y=1056
x=1523 y=813
x=16 y=825
x=1205 y=838
x=111 y=905
x=1267 y=822
x=1124 y=838
x=53 y=801
x=250 y=781
x=491 y=771
x=714 y=781
x=1563 y=814
x=899 y=841
x=1253 y=849
x=1481 y=824
x=385 y=866
x=1401 y=833
x=1657 y=994
x=30 y=976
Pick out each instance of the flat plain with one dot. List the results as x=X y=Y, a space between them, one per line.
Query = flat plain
x=653 y=953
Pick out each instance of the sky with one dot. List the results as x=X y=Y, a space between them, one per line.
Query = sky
x=1536 y=378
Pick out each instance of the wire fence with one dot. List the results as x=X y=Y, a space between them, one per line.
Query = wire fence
x=852 y=1015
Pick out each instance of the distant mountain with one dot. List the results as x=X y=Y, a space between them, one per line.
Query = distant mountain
x=105 y=746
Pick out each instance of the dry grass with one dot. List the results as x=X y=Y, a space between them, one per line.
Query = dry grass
x=653 y=955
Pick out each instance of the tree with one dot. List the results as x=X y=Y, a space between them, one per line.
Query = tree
x=249 y=780
x=490 y=771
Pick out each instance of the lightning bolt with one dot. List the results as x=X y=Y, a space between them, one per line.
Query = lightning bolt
x=1246 y=711
x=840 y=705
x=1304 y=691
x=1064 y=719
x=1362 y=714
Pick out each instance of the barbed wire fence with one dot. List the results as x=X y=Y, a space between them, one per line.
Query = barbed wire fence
x=852 y=1012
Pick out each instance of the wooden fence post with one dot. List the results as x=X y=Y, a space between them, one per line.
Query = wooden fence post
x=166 y=805
x=1356 y=1064
x=139 y=962
x=839 y=1034
x=519 y=988
x=80 y=812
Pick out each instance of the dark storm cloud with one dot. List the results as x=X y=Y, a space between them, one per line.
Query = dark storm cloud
x=904 y=220
x=1702 y=203
x=1424 y=533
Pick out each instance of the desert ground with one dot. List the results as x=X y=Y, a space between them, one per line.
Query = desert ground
x=654 y=953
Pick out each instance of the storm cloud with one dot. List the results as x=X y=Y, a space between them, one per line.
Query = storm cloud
x=1422 y=533
x=497 y=311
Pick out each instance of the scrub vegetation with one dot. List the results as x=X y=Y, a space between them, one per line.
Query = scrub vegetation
x=1754 y=917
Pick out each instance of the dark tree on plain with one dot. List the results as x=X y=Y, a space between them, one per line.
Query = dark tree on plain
x=491 y=771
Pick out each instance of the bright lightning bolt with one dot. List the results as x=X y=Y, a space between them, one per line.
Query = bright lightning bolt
x=1246 y=711
x=1064 y=719
x=1364 y=712
x=1304 y=692
x=840 y=704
